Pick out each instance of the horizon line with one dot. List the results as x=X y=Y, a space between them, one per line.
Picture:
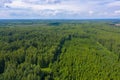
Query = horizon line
x=57 y=19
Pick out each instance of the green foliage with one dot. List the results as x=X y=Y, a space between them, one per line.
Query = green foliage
x=62 y=50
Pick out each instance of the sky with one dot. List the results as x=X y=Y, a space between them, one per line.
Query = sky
x=59 y=9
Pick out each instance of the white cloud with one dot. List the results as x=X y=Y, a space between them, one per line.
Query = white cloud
x=48 y=9
x=17 y=4
x=4 y=14
x=63 y=5
x=2 y=2
x=114 y=4
x=117 y=12
x=42 y=1
x=52 y=8
x=91 y=12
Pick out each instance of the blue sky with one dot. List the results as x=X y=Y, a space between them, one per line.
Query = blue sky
x=59 y=9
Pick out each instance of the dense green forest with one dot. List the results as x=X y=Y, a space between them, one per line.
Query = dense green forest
x=59 y=50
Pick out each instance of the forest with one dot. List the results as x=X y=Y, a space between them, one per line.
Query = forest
x=59 y=50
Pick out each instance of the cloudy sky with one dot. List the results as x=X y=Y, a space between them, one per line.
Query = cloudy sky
x=59 y=9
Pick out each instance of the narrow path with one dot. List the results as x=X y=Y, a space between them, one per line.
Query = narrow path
x=59 y=48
